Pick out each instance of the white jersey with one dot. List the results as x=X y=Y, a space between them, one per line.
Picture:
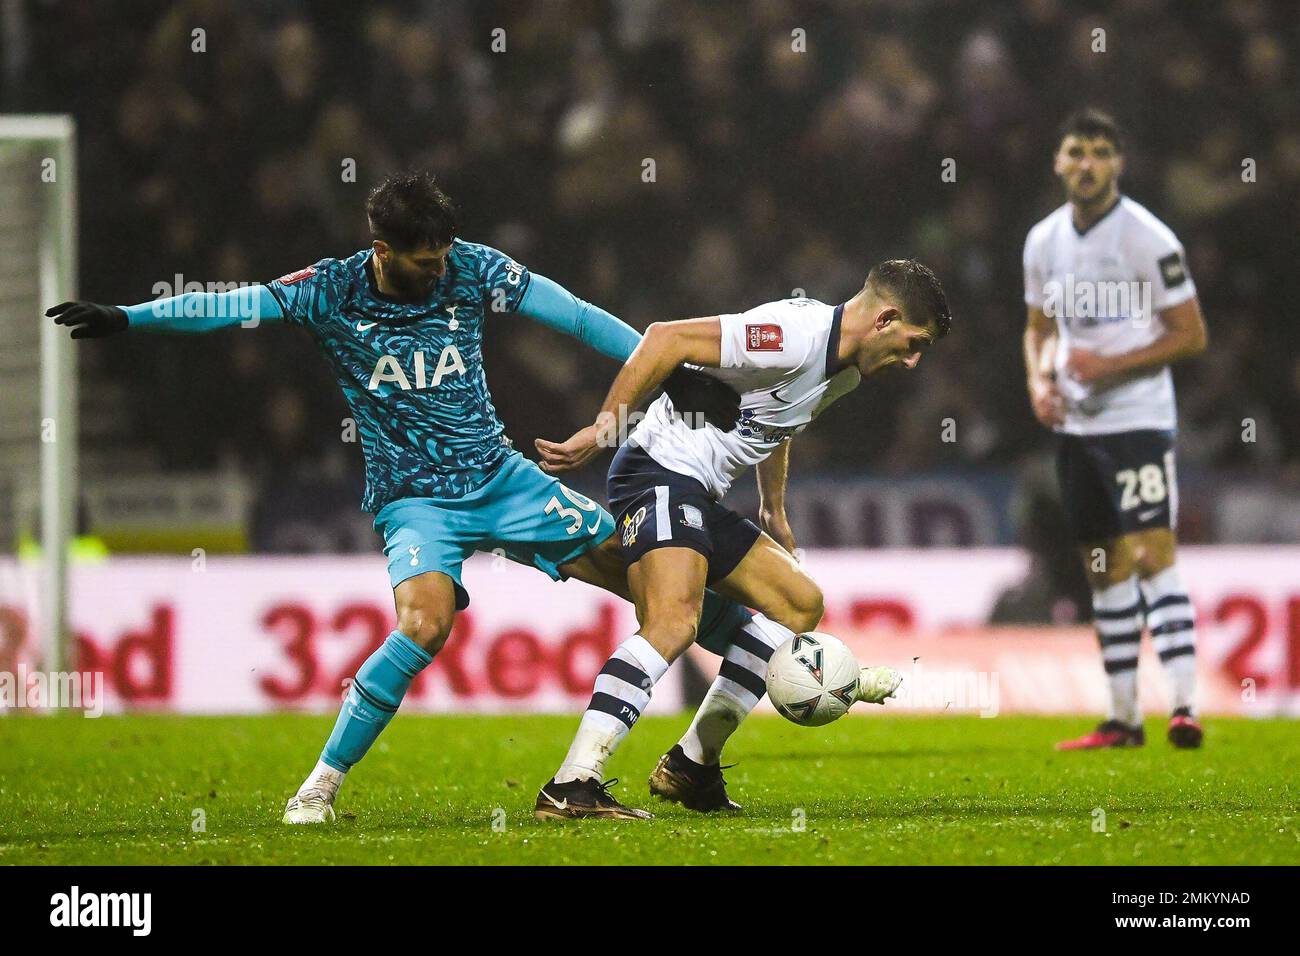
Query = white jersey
x=781 y=358
x=1106 y=287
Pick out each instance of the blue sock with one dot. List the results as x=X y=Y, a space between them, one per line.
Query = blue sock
x=720 y=621
x=373 y=698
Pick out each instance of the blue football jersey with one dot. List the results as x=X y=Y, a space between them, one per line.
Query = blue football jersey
x=412 y=372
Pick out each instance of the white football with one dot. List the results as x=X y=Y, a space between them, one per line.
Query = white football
x=812 y=679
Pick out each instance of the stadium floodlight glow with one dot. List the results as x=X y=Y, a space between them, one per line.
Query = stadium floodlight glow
x=38 y=176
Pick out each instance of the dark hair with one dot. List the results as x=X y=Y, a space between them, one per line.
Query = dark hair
x=1092 y=124
x=914 y=289
x=409 y=211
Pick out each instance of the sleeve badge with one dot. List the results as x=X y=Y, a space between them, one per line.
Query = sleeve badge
x=763 y=338
x=1172 y=272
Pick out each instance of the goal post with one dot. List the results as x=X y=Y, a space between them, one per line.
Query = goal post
x=38 y=405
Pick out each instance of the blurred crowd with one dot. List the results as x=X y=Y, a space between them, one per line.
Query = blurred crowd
x=794 y=143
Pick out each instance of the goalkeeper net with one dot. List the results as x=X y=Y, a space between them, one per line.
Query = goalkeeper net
x=38 y=424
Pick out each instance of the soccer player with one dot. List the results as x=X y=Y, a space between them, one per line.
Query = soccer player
x=401 y=322
x=789 y=360
x=1111 y=307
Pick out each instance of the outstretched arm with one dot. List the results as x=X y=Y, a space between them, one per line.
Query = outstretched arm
x=666 y=345
x=188 y=312
x=556 y=307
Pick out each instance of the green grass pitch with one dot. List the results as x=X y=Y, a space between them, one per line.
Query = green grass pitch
x=870 y=789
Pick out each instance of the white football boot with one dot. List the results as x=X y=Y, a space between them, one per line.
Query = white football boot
x=877 y=684
x=310 y=806
x=314 y=801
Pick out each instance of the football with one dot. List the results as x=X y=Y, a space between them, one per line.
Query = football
x=812 y=679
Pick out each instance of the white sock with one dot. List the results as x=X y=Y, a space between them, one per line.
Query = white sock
x=1117 y=616
x=1172 y=623
x=740 y=684
x=623 y=689
x=324 y=778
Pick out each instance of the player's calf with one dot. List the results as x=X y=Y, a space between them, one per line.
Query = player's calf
x=769 y=579
x=739 y=686
x=1171 y=620
x=668 y=585
x=1117 y=614
x=425 y=608
x=371 y=702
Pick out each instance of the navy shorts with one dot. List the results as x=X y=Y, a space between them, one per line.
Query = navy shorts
x=657 y=508
x=1113 y=485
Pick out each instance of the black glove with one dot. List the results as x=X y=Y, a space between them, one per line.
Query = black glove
x=89 y=320
x=694 y=394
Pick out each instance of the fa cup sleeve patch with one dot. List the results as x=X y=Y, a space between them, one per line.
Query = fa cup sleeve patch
x=763 y=338
x=1172 y=272
x=298 y=276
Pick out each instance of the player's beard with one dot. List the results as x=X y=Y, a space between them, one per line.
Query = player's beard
x=409 y=285
x=1092 y=192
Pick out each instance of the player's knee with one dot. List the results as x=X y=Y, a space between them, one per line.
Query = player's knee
x=803 y=608
x=807 y=609
x=428 y=627
x=1152 y=557
x=1107 y=565
x=672 y=629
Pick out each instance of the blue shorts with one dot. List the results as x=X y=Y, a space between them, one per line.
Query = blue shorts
x=521 y=513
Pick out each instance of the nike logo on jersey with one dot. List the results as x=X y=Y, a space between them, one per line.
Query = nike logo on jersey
x=1149 y=514
x=363 y=326
x=776 y=394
